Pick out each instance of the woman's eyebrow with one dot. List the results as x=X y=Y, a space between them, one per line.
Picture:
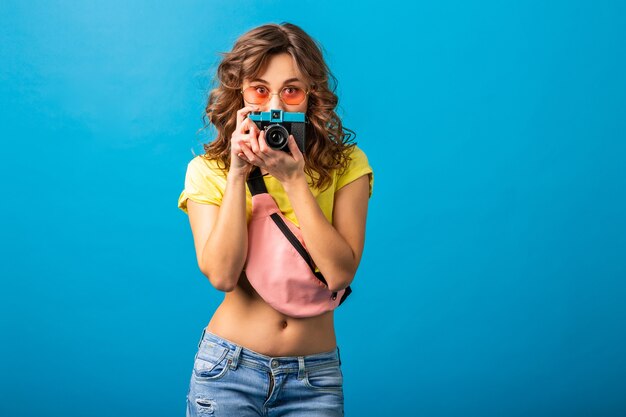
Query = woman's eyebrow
x=285 y=82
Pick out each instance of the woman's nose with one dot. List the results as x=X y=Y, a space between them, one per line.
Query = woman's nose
x=274 y=104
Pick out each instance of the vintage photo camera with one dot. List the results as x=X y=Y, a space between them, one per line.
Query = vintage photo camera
x=278 y=125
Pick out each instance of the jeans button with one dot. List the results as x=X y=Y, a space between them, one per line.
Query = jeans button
x=274 y=363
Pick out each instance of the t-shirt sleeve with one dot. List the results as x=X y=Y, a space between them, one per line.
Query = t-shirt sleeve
x=203 y=184
x=359 y=166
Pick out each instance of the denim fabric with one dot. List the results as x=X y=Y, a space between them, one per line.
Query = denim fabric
x=231 y=380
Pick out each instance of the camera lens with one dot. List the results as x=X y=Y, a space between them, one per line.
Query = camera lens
x=276 y=136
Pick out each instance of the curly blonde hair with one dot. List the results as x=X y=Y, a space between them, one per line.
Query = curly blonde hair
x=327 y=142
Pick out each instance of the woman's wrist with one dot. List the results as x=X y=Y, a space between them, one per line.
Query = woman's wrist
x=237 y=174
x=294 y=182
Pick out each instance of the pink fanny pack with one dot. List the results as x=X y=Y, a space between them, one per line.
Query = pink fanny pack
x=278 y=265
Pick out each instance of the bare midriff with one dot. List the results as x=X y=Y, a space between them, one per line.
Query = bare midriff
x=247 y=320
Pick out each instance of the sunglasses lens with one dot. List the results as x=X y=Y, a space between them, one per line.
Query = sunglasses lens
x=256 y=95
x=292 y=95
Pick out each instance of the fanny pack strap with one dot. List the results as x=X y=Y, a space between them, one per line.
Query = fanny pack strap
x=257 y=186
x=255 y=182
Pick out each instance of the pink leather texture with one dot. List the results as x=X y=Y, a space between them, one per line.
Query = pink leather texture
x=277 y=271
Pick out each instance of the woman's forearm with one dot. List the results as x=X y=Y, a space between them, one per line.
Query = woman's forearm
x=225 y=252
x=329 y=250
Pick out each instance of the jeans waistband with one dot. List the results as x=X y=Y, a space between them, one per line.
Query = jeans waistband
x=240 y=354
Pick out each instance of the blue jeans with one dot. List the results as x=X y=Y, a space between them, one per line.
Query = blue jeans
x=230 y=380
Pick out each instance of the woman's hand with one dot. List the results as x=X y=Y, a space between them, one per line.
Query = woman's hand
x=239 y=140
x=279 y=164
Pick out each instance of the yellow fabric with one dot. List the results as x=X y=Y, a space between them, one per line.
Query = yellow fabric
x=205 y=183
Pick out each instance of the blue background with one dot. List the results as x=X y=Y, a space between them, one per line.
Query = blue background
x=493 y=277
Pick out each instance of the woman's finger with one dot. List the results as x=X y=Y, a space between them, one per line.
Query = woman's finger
x=253 y=127
x=293 y=147
x=263 y=146
x=242 y=117
x=250 y=156
x=254 y=141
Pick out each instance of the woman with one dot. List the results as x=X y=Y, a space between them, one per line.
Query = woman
x=252 y=359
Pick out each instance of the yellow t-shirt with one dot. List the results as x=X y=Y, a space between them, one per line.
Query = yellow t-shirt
x=205 y=183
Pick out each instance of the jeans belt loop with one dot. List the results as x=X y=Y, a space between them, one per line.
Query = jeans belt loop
x=201 y=337
x=236 y=356
x=301 y=368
